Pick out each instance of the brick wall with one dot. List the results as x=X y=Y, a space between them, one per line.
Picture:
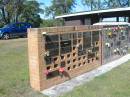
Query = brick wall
x=36 y=53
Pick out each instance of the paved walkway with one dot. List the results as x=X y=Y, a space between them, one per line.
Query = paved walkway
x=67 y=86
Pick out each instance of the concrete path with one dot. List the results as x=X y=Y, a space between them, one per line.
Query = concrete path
x=67 y=86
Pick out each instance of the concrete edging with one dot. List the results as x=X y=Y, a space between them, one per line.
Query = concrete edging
x=67 y=86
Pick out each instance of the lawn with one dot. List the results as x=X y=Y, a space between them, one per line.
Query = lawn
x=112 y=84
x=14 y=78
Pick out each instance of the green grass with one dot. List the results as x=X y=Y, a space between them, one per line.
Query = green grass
x=112 y=84
x=14 y=76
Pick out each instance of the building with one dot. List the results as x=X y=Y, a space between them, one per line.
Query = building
x=91 y=17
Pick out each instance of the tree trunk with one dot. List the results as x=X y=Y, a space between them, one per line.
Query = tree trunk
x=91 y=4
x=3 y=15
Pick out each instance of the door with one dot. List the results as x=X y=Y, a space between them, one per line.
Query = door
x=23 y=29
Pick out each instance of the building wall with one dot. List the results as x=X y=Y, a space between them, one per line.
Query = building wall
x=87 y=21
x=73 y=22
x=81 y=20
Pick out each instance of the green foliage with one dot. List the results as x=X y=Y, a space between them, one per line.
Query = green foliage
x=30 y=13
x=104 y=4
x=59 y=7
x=1 y=25
x=20 y=11
x=118 y=3
x=93 y=4
x=51 y=23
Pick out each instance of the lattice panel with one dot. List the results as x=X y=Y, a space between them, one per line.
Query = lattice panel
x=115 y=42
x=70 y=51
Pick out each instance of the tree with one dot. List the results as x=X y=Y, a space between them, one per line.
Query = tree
x=20 y=10
x=104 y=4
x=51 y=23
x=59 y=7
x=31 y=12
x=117 y=3
x=3 y=3
x=92 y=4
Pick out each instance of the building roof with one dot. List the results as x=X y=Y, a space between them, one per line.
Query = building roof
x=94 y=12
x=112 y=23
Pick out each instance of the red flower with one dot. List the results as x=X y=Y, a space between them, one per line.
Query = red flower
x=61 y=69
x=46 y=72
